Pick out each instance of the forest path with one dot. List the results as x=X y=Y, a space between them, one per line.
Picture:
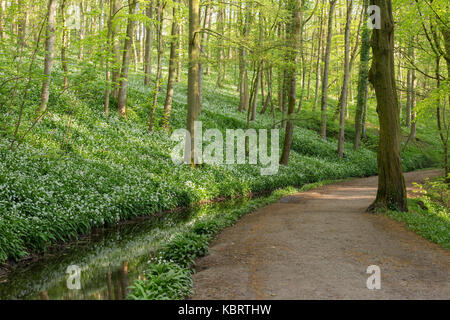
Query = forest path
x=318 y=245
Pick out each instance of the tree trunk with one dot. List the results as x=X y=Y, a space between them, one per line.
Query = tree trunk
x=361 y=99
x=122 y=96
x=2 y=30
x=148 y=45
x=49 y=52
x=346 y=80
x=243 y=77
x=116 y=49
x=22 y=23
x=319 y=55
x=160 y=50
x=254 y=91
x=391 y=192
x=202 y=53
x=82 y=31
x=180 y=52
x=324 y=98
x=193 y=87
x=294 y=39
x=413 y=94
x=109 y=48
x=408 y=98
x=220 y=49
x=172 y=69
x=64 y=64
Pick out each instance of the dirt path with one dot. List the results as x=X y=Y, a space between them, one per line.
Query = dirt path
x=318 y=245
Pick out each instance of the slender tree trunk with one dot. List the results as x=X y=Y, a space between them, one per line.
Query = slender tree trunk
x=193 y=87
x=22 y=23
x=172 y=69
x=220 y=50
x=294 y=39
x=208 y=50
x=361 y=99
x=135 y=60
x=2 y=29
x=346 y=80
x=141 y=43
x=391 y=192
x=255 y=89
x=49 y=52
x=445 y=30
x=122 y=96
x=364 y=115
x=108 y=70
x=64 y=64
x=269 y=92
x=413 y=95
x=160 y=15
x=202 y=53
x=82 y=31
x=116 y=49
x=243 y=77
x=408 y=98
x=303 y=69
x=311 y=66
x=319 y=55
x=324 y=98
x=180 y=52
x=148 y=45
x=441 y=123
x=262 y=81
x=349 y=87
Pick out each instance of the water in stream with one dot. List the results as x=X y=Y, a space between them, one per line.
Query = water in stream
x=110 y=260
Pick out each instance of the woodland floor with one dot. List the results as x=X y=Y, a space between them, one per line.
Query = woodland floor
x=318 y=245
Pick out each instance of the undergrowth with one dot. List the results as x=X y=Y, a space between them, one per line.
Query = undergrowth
x=429 y=214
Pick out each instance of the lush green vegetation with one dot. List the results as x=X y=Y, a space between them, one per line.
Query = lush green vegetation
x=429 y=214
x=78 y=169
x=169 y=273
x=87 y=111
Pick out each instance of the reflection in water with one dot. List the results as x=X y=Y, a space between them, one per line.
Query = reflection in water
x=110 y=259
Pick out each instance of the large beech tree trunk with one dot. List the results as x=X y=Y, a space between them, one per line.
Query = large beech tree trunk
x=391 y=192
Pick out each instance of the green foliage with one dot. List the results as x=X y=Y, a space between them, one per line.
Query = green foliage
x=183 y=249
x=78 y=169
x=177 y=257
x=429 y=215
x=162 y=281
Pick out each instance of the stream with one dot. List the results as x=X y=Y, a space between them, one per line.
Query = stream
x=110 y=259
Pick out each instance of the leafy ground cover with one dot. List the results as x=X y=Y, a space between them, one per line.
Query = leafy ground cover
x=78 y=169
x=429 y=213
